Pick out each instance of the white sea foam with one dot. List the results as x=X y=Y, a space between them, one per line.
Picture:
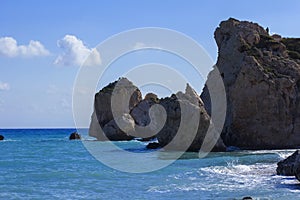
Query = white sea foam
x=285 y=154
x=10 y=140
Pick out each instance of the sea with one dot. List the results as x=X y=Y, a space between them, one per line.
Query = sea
x=45 y=164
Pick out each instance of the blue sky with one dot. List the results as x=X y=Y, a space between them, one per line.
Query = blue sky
x=36 y=78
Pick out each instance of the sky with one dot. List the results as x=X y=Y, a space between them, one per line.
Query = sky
x=43 y=44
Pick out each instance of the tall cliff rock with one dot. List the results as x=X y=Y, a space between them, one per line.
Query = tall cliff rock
x=261 y=74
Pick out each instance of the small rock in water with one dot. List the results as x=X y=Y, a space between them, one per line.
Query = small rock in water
x=247 y=198
x=75 y=136
x=153 y=145
x=1 y=137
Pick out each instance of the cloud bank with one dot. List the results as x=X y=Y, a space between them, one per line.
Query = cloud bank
x=10 y=48
x=76 y=53
x=4 y=86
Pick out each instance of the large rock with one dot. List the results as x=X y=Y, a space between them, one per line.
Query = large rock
x=261 y=76
x=187 y=123
x=286 y=166
x=290 y=166
x=1 y=137
x=125 y=96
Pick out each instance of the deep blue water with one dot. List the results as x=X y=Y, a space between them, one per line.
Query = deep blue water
x=44 y=164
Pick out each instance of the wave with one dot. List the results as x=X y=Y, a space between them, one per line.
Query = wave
x=10 y=140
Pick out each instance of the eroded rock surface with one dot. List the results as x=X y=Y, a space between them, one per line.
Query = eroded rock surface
x=261 y=75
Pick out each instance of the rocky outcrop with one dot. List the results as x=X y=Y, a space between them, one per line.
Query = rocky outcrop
x=74 y=136
x=1 y=137
x=124 y=96
x=261 y=76
x=187 y=123
x=286 y=166
x=290 y=166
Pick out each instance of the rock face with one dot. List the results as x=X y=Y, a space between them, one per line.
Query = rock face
x=286 y=166
x=1 y=137
x=182 y=110
x=74 y=136
x=125 y=96
x=261 y=76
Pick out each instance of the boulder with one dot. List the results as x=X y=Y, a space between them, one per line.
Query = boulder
x=114 y=133
x=124 y=96
x=290 y=166
x=152 y=97
x=187 y=123
x=1 y=137
x=261 y=76
x=74 y=136
x=286 y=166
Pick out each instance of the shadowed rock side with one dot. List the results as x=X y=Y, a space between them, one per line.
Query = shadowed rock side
x=261 y=74
x=103 y=116
x=286 y=166
x=1 y=137
x=290 y=166
x=186 y=114
x=140 y=114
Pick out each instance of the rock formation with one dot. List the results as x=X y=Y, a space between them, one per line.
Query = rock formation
x=261 y=76
x=182 y=121
x=126 y=96
x=1 y=137
x=286 y=166
x=290 y=166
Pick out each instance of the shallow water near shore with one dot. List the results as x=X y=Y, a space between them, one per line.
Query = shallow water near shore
x=43 y=163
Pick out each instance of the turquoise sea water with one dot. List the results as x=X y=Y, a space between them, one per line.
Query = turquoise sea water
x=44 y=164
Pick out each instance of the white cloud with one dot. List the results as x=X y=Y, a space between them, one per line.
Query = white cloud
x=75 y=53
x=4 y=86
x=10 y=48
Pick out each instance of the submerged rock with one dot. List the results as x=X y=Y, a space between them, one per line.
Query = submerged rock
x=261 y=76
x=182 y=121
x=1 y=137
x=74 y=136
